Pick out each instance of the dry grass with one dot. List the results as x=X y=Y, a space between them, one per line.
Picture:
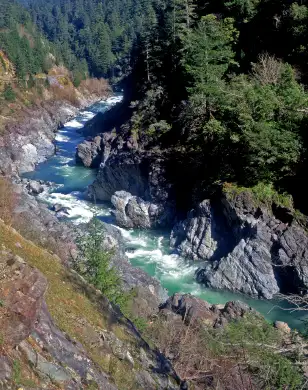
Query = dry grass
x=245 y=355
x=65 y=93
x=8 y=200
x=98 y=87
x=64 y=301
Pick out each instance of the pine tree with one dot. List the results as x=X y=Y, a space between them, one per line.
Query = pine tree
x=208 y=55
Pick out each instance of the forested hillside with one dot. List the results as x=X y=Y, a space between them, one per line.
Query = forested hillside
x=223 y=79
x=21 y=41
x=94 y=34
x=220 y=86
x=209 y=142
x=221 y=83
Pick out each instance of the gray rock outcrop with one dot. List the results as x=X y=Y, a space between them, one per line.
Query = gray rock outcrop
x=29 y=139
x=88 y=153
x=254 y=251
x=193 y=309
x=126 y=166
x=201 y=235
x=50 y=355
x=122 y=173
x=133 y=212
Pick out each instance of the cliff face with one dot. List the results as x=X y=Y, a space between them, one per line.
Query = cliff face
x=244 y=246
x=146 y=198
x=28 y=140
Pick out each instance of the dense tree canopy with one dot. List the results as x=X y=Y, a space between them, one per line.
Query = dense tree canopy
x=223 y=79
x=20 y=40
x=100 y=32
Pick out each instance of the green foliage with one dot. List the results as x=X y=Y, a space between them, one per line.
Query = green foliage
x=140 y=323
x=8 y=93
x=209 y=54
x=16 y=371
x=266 y=119
x=20 y=40
x=99 y=270
x=244 y=9
x=263 y=193
x=101 y=34
x=255 y=343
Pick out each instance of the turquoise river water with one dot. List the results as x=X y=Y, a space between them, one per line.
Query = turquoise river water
x=148 y=250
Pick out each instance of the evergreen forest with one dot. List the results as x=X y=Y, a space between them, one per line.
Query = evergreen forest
x=221 y=82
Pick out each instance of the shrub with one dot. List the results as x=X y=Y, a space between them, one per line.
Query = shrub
x=77 y=78
x=8 y=93
x=263 y=193
x=94 y=264
x=66 y=93
x=243 y=355
x=99 y=87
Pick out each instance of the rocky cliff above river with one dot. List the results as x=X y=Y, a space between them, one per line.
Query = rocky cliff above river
x=148 y=201
x=29 y=139
x=245 y=246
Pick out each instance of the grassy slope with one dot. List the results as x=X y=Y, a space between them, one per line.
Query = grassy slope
x=75 y=308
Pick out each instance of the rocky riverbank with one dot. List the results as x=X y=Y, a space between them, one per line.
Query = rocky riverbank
x=45 y=225
x=244 y=246
x=29 y=139
x=38 y=323
x=240 y=244
x=73 y=323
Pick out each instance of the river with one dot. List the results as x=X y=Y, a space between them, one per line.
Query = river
x=148 y=250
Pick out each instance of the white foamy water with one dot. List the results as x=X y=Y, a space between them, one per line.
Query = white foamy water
x=113 y=100
x=128 y=236
x=78 y=209
x=87 y=115
x=64 y=160
x=60 y=137
x=74 y=124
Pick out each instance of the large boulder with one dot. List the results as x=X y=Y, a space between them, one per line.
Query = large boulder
x=121 y=173
x=133 y=212
x=94 y=126
x=126 y=166
x=88 y=153
x=34 y=187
